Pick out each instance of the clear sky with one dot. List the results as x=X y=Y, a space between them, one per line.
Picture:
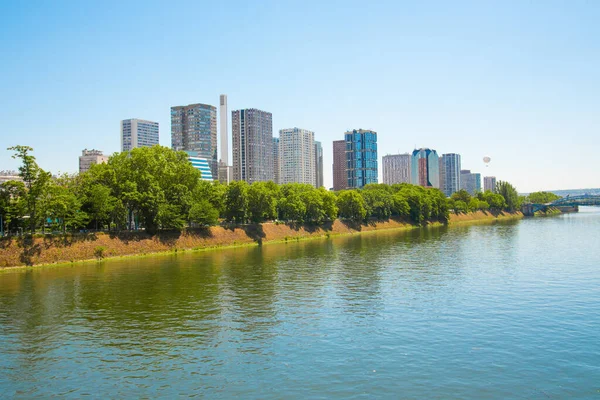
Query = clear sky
x=518 y=81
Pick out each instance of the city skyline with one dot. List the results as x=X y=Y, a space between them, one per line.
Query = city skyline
x=480 y=80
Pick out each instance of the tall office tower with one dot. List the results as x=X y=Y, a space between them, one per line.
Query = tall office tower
x=224 y=169
x=489 y=183
x=425 y=168
x=90 y=157
x=194 y=128
x=339 y=165
x=297 y=156
x=252 y=144
x=318 y=165
x=396 y=168
x=450 y=173
x=276 y=171
x=361 y=158
x=442 y=172
x=138 y=133
x=471 y=182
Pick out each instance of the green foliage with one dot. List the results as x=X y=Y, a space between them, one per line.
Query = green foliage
x=352 y=206
x=461 y=195
x=400 y=206
x=291 y=205
x=12 y=205
x=35 y=180
x=330 y=208
x=510 y=195
x=460 y=207
x=262 y=199
x=236 y=202
x=542 y=197
x=157 y=188
x=99 y=252
x=379 y=201
x=203 y=213
x=495 y=201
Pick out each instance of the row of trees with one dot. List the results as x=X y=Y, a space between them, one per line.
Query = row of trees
x=157 y=188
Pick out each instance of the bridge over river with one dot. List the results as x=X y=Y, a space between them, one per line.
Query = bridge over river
x=565 y=204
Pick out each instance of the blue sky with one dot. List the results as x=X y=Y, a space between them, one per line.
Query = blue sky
x=516 y=80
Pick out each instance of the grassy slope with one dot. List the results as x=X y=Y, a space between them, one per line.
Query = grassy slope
x=70 y=248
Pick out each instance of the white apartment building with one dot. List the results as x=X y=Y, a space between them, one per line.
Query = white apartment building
x=138 y=133
x=396 y=168
x=89 y=157
x=297 y=156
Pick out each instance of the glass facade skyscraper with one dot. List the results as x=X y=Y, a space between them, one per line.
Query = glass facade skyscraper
x=471 y=182
x=425 y=168
x=450 y=173
x=194 y=128
x=318 y=165
x=361 y=158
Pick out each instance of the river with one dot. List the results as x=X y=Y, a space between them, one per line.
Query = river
x=509 y=310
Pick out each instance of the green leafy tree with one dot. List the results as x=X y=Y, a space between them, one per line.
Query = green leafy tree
x=291 y=206
x=400 y=206
x=236 y=202
x=330 y=208
x=510 y=195
x=261 y=202
x=203 y=212
x=352 y=206
x=379 y=200
x=315 y=210
x=154 y=184
x=460 y=207
x=542 y=197
x=101 y=204
x=495 y=201
x=35 y=180
x=12 y=205
x=439 y=205
x=461 y=195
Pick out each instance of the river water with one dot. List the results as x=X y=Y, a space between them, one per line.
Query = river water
x=510 y=310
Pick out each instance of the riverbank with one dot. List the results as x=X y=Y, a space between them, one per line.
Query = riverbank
x=22 y=252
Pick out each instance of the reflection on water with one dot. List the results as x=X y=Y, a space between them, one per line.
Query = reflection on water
x=502 y=310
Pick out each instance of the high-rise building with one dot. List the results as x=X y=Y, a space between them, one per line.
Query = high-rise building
x=224 y=168
x=425 y=168
x=194 y=128
x=471 y=182
x=489 y=183
x=318 y=165
x=252 y=144
x=396 y=168
x=450 y=173
x=89 y=157
x=297 y=156
x=361 y=158
x=276 y=171
x=339 y=165
x=138 y=133
x=201 y=164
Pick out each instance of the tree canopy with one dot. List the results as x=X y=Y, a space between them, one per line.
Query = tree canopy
x=156 y=188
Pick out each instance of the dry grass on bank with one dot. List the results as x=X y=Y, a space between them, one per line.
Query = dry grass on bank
x=71 y=248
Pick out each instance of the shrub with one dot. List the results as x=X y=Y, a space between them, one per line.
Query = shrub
x=99 y=252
